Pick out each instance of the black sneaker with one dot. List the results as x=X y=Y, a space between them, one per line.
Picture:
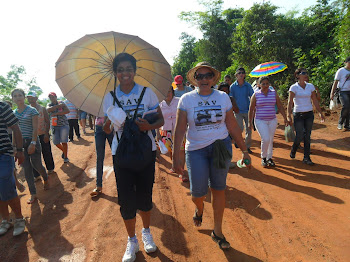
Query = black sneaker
x=249 y=151
x=292 y=154
x=264 y=162
x=270 y=162
x=308 y=162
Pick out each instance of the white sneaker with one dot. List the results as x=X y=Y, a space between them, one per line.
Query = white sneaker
x=19 y=226
x=4 y=227
x=66 y=160
x=131 y=249
x=148 y=242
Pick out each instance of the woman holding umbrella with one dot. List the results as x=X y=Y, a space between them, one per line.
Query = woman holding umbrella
x=134 y=188
x=205 y=141
x=300 y=95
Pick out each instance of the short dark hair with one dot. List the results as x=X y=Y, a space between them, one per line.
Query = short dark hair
x=262 y=78
x=298 y=71
x=222 y=85
x=347 y=59
x=240 y=69
x=122 y=57
x=18 y=90
x=227 y=76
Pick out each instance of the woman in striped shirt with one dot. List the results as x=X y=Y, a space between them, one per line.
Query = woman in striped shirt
x=28 y=123
x=263 y=103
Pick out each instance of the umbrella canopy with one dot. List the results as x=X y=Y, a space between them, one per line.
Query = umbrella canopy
x=84 y=70
x=268 y=68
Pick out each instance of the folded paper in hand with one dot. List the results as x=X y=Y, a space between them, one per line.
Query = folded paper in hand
x=117 y=116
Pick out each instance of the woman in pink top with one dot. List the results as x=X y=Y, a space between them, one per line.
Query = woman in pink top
x=166 y=132
x=263 y=104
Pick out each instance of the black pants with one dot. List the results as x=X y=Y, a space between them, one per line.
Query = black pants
x=73 y=123
x=47 y=155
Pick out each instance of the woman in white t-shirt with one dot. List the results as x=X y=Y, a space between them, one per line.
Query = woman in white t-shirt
x=300 y=95
x=342 y=81
x=204 y=139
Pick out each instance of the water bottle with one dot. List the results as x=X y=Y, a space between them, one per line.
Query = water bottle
x=241 y=163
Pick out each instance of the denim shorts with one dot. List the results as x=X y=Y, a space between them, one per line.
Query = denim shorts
x=82 y=115
x=60 y=134
x=202 y=172
x=7 y=180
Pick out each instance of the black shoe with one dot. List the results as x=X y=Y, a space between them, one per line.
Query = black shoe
x=249 y=151
x=292 y=154
x=270 y=162
x=308 y=162
x=264 y=162
x=62 y=155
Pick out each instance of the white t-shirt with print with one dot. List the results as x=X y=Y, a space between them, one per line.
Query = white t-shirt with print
x=302 y=98
x=129 y=103
x=343 y=76
x=206 y=118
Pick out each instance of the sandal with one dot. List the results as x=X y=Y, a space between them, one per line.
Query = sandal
x=183 y=178
x=197 y=220
x=222 y=242
x=96 y=192
x=31 y=200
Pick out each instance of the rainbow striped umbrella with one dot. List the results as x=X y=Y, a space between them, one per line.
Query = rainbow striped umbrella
x=268 y=68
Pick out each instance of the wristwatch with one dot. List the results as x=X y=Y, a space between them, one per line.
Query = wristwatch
x=19 y=149
x=33 y=142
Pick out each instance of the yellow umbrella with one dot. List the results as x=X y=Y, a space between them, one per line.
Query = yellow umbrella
x=85 y=75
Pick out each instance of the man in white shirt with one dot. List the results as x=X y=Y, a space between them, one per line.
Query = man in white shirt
x=342 y=81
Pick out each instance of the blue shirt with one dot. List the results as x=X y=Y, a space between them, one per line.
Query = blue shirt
x=242 y=95
x=179 y=93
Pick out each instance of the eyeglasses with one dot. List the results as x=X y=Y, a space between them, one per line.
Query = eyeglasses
x=241 y=73
x=207 y=76
x=303 y=73
x=127 y=70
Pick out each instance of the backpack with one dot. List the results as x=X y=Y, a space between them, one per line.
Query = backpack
x=134 y=149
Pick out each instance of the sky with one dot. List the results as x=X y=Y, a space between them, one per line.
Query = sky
x=34 y=33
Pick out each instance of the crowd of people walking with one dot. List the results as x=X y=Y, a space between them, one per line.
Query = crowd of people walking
x=197 y=122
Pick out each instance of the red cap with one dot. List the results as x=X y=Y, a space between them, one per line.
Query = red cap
x=52 y=94
x=178 y=80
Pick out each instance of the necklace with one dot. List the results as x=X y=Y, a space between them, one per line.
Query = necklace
x=205 y=100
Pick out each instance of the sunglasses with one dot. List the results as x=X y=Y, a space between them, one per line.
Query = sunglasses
x=207 y=76
x=303 y=73
x=241 y=73
x=122 y=70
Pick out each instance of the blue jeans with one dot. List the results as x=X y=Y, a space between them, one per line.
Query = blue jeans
x=345 y=111
x=7 y=180
x=100 y=143
x=303 y=122
x=202 y=172
x=30 y=162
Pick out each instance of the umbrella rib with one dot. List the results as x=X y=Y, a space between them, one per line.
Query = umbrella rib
x=155 y=61
x=109 y=54
x=155 y=73
x=104 y=76
x=100 y=71
x=105 y=63
x=149 y=82
x=100 y=55
x=84 y=80
x=135 y=37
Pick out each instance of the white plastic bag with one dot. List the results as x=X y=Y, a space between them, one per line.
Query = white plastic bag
x=333 y=104
x=289 y=133
x=162 y=147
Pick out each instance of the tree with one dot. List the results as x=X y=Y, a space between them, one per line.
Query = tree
x=187 y=57
x=217 y=27
x=14 y=78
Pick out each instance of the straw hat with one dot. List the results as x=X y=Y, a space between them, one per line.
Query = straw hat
x=191 y=72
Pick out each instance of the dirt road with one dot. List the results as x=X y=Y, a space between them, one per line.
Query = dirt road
x=293 y=212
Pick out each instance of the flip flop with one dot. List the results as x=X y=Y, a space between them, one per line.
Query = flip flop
x=197 y=220
x=96 y=192
x=222 y=242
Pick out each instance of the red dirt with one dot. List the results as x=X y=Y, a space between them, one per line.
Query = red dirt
x=290 y=213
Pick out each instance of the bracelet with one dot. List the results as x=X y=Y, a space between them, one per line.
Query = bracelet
x=19 y=149
x=245 y=151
